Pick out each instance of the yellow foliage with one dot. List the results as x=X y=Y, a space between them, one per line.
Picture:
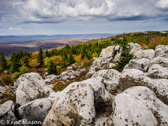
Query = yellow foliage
x=78 y=58
x=21 y=61
x=47 y=61
x=33 y=62
x=95 y=55
x=56 y=59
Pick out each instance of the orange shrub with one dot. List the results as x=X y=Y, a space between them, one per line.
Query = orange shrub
x=78 y=58
x=154 y=42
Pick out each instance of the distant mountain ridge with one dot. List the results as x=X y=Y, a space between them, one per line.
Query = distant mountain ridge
x=28 y=38
x=32 y=43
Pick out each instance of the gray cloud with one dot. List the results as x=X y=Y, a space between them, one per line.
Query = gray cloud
x=57 y=11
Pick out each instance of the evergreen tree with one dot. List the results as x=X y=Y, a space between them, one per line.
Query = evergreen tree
x=47 y=54
x=40 y=57
x=71 y=59
x=52 y=69
x=3 y=62
x=124 y=58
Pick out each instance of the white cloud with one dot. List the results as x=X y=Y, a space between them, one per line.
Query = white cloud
x=47 y=10
x=162 y=4
x=56 y=11
x=16 y=29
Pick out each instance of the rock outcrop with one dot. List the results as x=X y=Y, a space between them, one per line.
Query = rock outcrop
x=75 y=105
x=139 y=106
x=108 y=58
x=7 y=113
x=31 y=86
x=136 y=96
x=110 y=78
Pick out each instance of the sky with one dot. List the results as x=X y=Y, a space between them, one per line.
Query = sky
x=51 y=17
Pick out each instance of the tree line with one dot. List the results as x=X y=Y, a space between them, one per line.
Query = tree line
x=54 y=60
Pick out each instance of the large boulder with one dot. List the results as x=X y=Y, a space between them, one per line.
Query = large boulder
x=31 y=86
x=111 y=79
x=7 y=113
x=139 y=106
x=36 y=109
x=136 y=49
x=161 y=50
x=148 y=97
x=157 y=72
x=75 y=105
x=161 y=61
x=140 y=64
x=107 y=52
x=128 y=111
x=148 y=53
x=134 y=77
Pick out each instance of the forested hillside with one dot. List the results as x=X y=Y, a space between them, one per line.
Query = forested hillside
x=56 y=60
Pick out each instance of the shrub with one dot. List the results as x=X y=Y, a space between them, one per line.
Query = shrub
x=95 y=55
x=34 y=63
x=58 y=85
x=16 y=75
x=5 y=79
x=23 y=69
x=154 y=42
x=78 y=58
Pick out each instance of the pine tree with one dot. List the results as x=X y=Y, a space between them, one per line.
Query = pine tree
x=47 y=54
x=71 y=59
x=125 y=55
x=3 y=62
x=40 y=57
x=52 y=69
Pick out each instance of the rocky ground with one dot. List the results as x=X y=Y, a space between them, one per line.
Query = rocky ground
x=138 y=96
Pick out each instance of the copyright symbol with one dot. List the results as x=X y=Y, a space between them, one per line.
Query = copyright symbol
x=2 y=122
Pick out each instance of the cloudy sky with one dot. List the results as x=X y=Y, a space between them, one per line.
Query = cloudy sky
x=25 y=17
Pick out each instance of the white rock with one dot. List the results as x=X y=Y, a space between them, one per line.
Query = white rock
x=161 y=50
x=89 y=75
x=2 y=89
x=111 y=65
x=50 y=78
x=6 y=112
x=129 y=111
x=69 y=68
x=75 y=104
x=147 y=97
x=31 y=86
x=134 y=77
x=76 y=73
x=161 y=61
x=65 y=77
x=71 y=105
x=136 y=49
x=111 y=79
x=103 y=121
x=36 y=109
x=149 y=54
x=107 y=52
x=140 y=64
x=157 y=72
x=83 y=70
